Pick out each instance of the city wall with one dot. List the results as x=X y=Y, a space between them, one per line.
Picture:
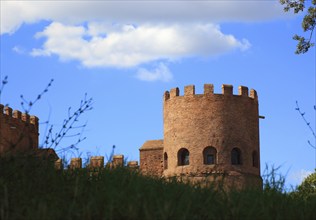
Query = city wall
x=96 y=162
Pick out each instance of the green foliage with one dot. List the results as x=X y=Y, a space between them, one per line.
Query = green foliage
x=30 y=188
x=308 y=23
x=308 y=186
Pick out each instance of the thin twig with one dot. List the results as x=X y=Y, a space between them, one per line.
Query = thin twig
x=39 y=96
x=307 y=123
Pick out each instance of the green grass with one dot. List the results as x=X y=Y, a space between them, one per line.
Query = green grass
x=32 y=189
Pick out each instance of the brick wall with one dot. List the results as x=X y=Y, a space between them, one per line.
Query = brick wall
x=151 y=158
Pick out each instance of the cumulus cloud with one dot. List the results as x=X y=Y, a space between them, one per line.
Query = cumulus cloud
x=15 y=13
x=160 y=73
x=98 y=45
x=131 y=33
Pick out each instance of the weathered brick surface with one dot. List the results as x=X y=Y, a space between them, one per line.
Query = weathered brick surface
x=196 y=121
x=118 y=160
x=133 y=165
x=59 y=164
x=18 y=131
x=75 y=163
x=96 y=162
x=151 y=160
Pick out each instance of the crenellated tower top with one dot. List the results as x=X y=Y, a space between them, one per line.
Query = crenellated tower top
x=189 y=91
x=18 y=131
x=10 y=114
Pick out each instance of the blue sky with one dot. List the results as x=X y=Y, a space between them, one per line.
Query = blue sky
x=125 y=54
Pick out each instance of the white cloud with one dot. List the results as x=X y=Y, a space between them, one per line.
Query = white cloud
x=160 y=73
x=100 y=45
x=15 y=13
x=300 y=175
x=130 y=33
x=19 y=50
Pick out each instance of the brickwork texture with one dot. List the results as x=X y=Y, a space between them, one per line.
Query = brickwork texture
x=18 y=131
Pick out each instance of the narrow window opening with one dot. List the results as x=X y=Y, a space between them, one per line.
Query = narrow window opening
x=165 y=159
x=209 y=155
x=183 y=157
x=236 y=156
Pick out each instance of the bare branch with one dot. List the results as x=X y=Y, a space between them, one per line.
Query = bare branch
x=3 y=83
x=69 y=124
x=29 y=104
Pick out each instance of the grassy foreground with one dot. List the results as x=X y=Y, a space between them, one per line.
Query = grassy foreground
x=32 y=189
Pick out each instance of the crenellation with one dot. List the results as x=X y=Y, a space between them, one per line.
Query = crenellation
x=166 y=95
x=208 y=89
x=18 y=131
x=34 y=120
x=97 y=162
x=59 y=164
x=243 y=91
x=174 y=92
x=253 y=94
x=8 y=111
x=75 y=163
x=118 y=160
x=17 y=114
x=132 y=164
x=189 y=90
x=26 y=117
x=227 y=89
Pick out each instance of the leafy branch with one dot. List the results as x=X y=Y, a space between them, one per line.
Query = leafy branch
x=308 y=23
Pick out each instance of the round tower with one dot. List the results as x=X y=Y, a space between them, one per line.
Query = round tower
x=209 y=135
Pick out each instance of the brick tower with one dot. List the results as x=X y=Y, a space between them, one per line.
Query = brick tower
x=208 y=137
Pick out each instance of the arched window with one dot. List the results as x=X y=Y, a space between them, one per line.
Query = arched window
x=255 y=159
x=236 y=156
x=209 y=155
x=183 y=157
x=165 y=160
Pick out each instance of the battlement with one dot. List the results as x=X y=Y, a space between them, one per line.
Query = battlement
x=17 y=116
x=18 y=131
x=227 y=90
x=96 y=162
